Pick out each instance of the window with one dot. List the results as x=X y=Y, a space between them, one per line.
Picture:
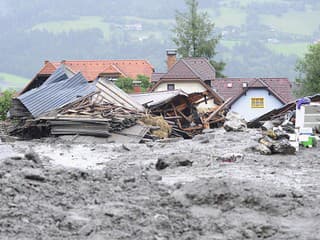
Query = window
x=257 y=102
x=170 y=87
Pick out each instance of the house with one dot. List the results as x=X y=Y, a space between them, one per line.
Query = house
x=192 y=75
x=253 y=97
x=93 y=70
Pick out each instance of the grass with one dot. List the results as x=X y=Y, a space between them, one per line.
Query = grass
x=80 y=24
x=298 y=49
x=303 y=23
x=227 y=17
x=133 y=19
x=11 y=81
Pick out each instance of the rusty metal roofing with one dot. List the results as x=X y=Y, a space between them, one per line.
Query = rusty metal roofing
x=56 y=94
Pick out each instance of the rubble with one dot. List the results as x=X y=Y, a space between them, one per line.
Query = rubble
x=180 y=111
x=281 y=146
x=234 y=122
x=114 y=191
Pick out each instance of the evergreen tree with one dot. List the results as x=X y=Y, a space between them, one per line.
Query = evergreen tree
x=194 y=35
x=308 y=68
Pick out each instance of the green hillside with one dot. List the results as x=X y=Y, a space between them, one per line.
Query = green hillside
x=80 y=24
x=258 y=37
x=12 y=81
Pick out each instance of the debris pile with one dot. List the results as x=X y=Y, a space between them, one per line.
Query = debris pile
x=86 y=117
x=180 y=111
x=275 y=141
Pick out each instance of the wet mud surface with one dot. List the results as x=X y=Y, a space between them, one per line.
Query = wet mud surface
x=212 y=187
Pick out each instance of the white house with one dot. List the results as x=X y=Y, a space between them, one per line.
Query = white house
x=253 y=97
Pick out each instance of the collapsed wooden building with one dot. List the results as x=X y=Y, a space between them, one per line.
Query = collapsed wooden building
x=66 y=104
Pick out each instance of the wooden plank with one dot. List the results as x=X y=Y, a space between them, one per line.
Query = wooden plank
x=212 y=115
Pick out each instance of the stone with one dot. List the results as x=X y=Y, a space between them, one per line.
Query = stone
x=262 y=149
x=283 y=146
x=234 y=122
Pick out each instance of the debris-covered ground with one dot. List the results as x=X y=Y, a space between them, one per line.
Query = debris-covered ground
x=211 y=187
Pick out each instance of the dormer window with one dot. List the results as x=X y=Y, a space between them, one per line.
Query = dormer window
x=229 y=85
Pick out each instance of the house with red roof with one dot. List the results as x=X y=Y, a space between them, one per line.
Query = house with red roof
x=251 y=97
x=93 y=70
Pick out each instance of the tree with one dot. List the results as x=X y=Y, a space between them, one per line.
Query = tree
x=5 y=103
x=194 y=35
x=126 y=84
x=144 y=82
x=308 y=68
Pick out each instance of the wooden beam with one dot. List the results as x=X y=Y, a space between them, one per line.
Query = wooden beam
x=218 y=110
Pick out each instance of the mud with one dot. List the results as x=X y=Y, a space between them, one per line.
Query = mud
x=56 y=189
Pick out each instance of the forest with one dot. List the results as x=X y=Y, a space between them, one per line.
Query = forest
x=259 y=38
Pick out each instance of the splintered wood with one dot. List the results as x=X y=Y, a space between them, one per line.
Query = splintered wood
x=88 y=117
x=186 y=121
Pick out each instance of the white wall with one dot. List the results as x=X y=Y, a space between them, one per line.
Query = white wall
x=188 y=87
x=243 y=104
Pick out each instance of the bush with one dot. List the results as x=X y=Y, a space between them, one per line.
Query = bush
x=5 y=103
x=126 y=84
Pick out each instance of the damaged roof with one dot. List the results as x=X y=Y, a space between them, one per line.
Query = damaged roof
x=56 y=92
x=109 y=92
x=155 y=98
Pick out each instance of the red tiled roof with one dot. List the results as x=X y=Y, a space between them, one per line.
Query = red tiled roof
x=280 y=87
x=92 y=68
x=48 y=68
x=111 y=69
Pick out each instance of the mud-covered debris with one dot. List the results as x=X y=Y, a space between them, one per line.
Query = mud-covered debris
x=162 y=164
x=262 y=149
x=173 y=160
x=34 y=174
x=32 y=156
x=234 y=122
x=201 y=139
x=16 y=157
x=230 y=157
x=87 y=230
x=281 y=146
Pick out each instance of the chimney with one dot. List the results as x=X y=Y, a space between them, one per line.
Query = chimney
x=63 y=62
x=46 y=62
x=171 y=57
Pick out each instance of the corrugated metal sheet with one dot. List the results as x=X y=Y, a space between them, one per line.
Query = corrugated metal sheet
x=56 y=94
x=112 y=94
x=155 y=98
x=59 y=75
